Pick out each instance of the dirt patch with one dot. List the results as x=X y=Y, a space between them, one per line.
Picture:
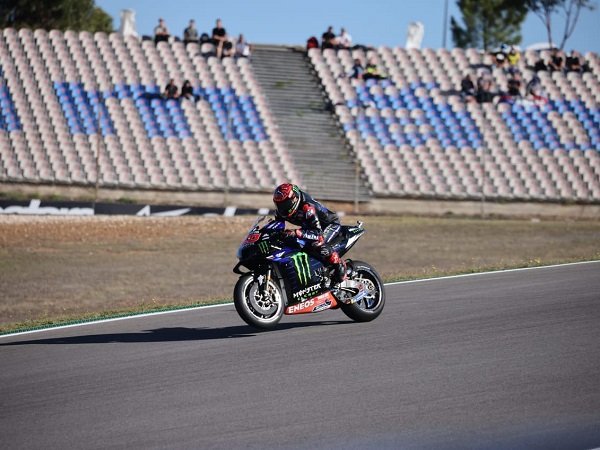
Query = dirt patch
x=56 y=267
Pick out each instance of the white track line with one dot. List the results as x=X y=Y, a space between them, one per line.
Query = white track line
x=422 y=280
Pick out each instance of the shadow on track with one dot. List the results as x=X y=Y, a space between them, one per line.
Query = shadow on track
x=172 y=334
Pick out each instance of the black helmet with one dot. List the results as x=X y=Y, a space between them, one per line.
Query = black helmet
x=286 y=198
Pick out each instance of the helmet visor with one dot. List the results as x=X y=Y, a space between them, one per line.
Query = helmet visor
x=287 y=206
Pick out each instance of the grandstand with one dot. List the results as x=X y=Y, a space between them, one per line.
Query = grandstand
x=81 y=108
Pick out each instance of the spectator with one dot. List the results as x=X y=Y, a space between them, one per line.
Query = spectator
x=514 y=85
x=358 y=70
x=187 y=91
x=161 y=32
x=534 y=91
x=190 y=34
x=484 y=92
x=500 y=56
x=328 y=39
x=556 y=61
x=372 y=72
x=220 y=39
x=312 y=42
x=204 y=38
x=242 y=48
x=344 y=41
x=540 y=65
x=467 y=88
x=171 y=90
x=513 y=57
x=573 y=62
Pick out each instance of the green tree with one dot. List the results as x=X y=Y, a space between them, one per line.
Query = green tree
x=488 y=23
x=75 y=15
x=569 y=9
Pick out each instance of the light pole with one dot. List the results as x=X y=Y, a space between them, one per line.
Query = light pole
x=445 y=27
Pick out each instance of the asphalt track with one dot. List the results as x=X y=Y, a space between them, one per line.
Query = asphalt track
x=502 y=360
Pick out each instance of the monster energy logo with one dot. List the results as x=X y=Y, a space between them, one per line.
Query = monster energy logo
x=263 y=246
x=302 y=267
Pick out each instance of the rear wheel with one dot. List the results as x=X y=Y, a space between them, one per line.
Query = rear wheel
x=258 y=303
x=369 y=307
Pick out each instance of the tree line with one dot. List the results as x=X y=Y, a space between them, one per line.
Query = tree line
x=77 y=15
x=487 y=24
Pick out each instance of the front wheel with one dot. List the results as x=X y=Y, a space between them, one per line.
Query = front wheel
x=369 y=307
x=259 y=304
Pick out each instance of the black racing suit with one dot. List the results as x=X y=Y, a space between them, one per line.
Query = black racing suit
x=318 y=227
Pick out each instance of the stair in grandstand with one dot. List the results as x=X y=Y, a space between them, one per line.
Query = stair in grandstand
x=306 y=122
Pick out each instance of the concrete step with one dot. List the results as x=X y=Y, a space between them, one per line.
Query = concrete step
x=306 y=122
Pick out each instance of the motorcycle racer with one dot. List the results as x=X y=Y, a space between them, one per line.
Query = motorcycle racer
x=318 y=225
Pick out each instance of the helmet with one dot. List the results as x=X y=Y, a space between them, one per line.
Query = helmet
x=286 y=198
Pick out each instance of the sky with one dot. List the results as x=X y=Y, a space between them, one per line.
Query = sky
x=373 y=23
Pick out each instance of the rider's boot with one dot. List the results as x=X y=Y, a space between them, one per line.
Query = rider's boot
x=339 y=268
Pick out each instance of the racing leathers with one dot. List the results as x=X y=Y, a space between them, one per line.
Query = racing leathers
x=318 y=227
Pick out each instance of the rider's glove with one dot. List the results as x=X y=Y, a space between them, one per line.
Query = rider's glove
x=292 y=233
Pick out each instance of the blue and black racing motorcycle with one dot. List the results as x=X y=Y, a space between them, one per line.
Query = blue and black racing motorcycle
x=283 y=279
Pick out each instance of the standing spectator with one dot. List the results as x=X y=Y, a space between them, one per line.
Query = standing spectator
x=161 y=32
x=358 y=70
x=171 y=90
x=190 y=34
x=328 y=39
x=344 y=40
x=242 y=48
x=467 y=88
x=219 y=38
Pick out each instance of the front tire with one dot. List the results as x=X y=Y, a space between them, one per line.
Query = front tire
x=371 y=306
x=258 y=307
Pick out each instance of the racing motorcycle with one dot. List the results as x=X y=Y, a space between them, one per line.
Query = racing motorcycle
x=283 y=279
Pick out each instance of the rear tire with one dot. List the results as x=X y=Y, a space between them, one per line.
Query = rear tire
x=258 y=309
x=371 y=306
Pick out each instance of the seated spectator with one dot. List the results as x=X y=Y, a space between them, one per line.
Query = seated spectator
x=467 y=88
x=534 y=91
x=328 y=39
x=573 y=62
x=484 y=93
x=190 y=34
x=242 y=48
x=187 y=91
x=358 y=70
x=171 y=90
x=204 y=37
x=557 y=61
x=513 y=57
x=500 y=56
x=161 y=33
x=540 y=65
x=221 y=40
x=372 y=72
x=514 y=85
x=312 y=42
x=344 y=41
